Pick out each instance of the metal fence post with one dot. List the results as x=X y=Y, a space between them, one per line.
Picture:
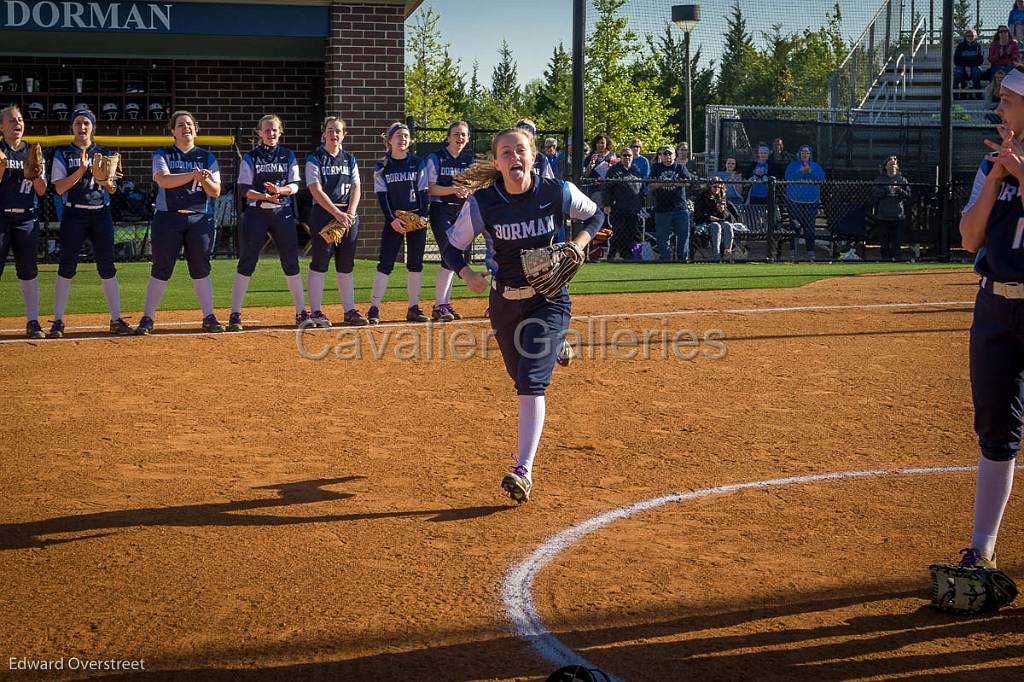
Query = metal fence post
x=772 y=208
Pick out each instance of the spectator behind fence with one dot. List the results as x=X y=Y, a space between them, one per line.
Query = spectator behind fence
x=968 y=59
x=803 y=194
x=758 y=172
x=1003 y=53
x=622 y=203
x=683 y=154
x=671 y=215
x=1016 y=20
x=710 y=208
x=779 y=159
x=554 y=158
x=732 y=178
x=891 y=192
x=640 y=161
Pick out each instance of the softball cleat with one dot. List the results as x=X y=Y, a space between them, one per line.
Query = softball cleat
x=517 y=484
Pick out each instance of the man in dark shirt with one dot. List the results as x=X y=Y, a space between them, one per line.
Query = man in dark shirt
x=622 y=203
x=671 y=214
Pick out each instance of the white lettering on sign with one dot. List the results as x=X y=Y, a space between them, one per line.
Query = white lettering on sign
x=122 y=16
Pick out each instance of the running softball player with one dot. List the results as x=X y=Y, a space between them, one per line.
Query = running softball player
x=187 y=177
x=520 y=210
x=400 y=181
x=268 y=176
x=332 y=176
x=446 y=198
x=18 y=227
x=86 y=214
x=991 y=226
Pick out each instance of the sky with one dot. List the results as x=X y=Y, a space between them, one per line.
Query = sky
x=474 y=30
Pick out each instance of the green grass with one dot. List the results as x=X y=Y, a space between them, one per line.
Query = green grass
x=268 y=286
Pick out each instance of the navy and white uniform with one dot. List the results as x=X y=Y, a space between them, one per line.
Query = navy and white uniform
x=183 y=215
x=86 y=214
x=279 y=166
x=529 y=328
x=18 y=227
x=401 y=185
x=442 y=169
x=997 y=332
x=336 y=175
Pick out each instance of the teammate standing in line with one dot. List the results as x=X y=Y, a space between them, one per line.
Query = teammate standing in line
x=18 y=227
x=521 y=210
x=400 y=181
x=187 y=177
x=86 y=214
x=332 y=176
x=446 y=199
x=991 y=227
x=268 y=176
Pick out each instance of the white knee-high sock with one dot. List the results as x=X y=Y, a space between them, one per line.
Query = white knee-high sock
x=61 y=291
x=316 y=290
x=238 y=289
x=155 y=289
x=443 y=286
x=413 y=286
x=298 y=297
x=112 y=292
x=380 y=285
x=531 y=424
x=30 y=296
x=204 y=294
x=992 y=491
x=346 y=287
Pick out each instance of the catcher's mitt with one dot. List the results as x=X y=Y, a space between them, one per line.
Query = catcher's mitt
x=411 y=221
x=970 y=590
x=106 y=168
x=34 y=162
x=334 y=232
x=550 y=268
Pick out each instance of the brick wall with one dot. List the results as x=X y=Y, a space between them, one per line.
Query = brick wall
x=365 y=83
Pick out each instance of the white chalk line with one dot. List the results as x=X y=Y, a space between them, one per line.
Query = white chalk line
x=517 y=591
x=481 y=321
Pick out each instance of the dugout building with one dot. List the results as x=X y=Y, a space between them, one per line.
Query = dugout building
x=228 y=62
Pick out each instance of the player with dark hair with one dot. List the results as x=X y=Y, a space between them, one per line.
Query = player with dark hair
x=86 y=214
x=187 y=177
x=332 y=176
x=18 y=227
x=400 y=182
x=446 y=198
x=992 y=225
x=520 y=210
x=268 y=176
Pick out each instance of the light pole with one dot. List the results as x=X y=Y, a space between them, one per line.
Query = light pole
x=686 y=17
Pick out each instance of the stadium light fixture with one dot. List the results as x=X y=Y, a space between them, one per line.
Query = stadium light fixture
x=686 y=18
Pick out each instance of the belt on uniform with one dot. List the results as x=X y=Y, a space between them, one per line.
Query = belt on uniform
x=513 y=293
x=1004 y=289
x=16 y=210
x=185 y=211
x=88 y=207
x=269 y=204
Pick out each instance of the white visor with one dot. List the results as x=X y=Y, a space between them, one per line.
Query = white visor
x=1014 y=81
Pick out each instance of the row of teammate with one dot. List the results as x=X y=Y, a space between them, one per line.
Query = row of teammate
x=187 y=178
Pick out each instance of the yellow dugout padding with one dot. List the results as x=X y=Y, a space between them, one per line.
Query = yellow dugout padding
x=144 y=141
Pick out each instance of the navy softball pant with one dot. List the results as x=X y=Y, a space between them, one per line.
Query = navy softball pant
x=79 y=223
x=442 y=217
x=321 y=252
x=391 y=242
x=170 y=232
x=529 y=333
x=997 y=374
x=21 y=235
x=280 y=223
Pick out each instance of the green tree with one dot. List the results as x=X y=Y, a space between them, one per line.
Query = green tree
x=430 y=76
x=962 y=10
x=554 y=100
x=505 y=80
x=665 y=65
x=736 y=80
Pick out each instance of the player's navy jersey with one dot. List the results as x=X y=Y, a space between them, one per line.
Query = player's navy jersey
x=189 y=197
x=15 y=190
x=1001 y=258
x=267 y=164
x=401 y=185
x=442 y=168
x=85 y=192
x=336 y=175
x=520 y=221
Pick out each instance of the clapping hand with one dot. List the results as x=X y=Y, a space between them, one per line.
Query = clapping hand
x=1008 y=158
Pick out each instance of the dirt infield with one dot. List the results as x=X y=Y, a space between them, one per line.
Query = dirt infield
x=220 y=507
